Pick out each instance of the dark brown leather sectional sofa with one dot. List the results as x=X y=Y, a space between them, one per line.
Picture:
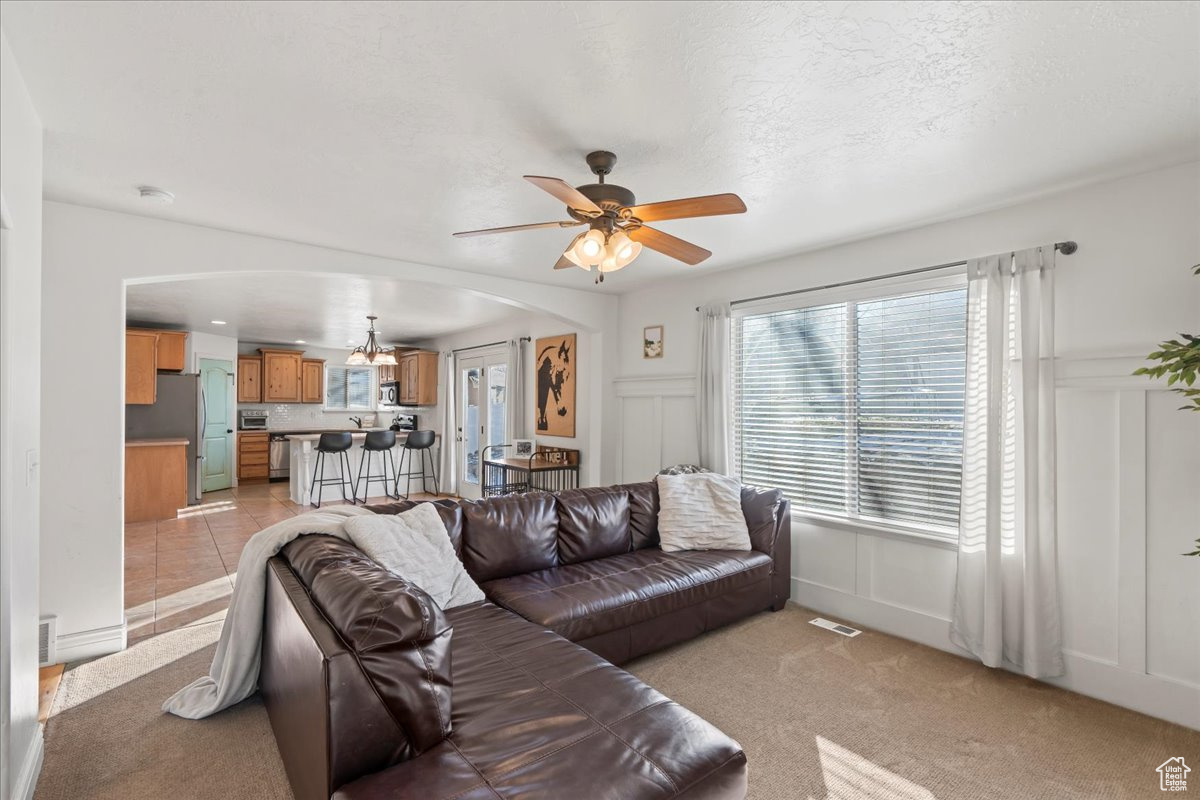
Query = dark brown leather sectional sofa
x=374 y=692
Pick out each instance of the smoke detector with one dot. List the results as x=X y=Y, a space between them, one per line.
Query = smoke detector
x=156 y=194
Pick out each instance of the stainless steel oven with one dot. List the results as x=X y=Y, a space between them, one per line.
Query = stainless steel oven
x=253 y=419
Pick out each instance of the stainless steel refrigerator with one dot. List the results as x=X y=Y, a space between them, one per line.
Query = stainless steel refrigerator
x=178 y=413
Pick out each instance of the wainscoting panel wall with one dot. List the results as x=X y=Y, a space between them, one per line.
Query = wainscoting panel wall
x=1126 y=456
x=656 y=418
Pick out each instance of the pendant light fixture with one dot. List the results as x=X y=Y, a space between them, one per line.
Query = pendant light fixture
x=370 y=354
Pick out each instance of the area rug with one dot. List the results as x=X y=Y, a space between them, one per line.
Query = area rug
x=821 y=717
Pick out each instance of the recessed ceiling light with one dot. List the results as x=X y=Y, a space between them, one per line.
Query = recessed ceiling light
x=156 y=194
x=301 y=341
x=218 y=322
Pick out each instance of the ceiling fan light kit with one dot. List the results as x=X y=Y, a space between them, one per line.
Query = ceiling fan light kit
x=616 y=224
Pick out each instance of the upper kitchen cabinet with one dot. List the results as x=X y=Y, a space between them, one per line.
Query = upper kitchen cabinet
x=249 y=379
x=281 y=375
x=171 y=348
x=418 y=378
x=389 y=373
x=141 y=367
x=312 y=380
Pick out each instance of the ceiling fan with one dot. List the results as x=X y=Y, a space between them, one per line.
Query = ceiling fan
x=617 y=227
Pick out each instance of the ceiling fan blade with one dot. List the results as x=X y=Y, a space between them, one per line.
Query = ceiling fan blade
x=669 y=245
x=564 y=262
x=564 y=192
x=708 y=206
x=512 y=228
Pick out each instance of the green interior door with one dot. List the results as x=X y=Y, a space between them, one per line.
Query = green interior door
x=216 y=381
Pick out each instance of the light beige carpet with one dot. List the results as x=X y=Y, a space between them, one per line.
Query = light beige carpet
x=821 y=717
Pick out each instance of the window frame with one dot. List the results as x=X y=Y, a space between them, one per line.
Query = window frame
x=884 y=288
x=372 y=392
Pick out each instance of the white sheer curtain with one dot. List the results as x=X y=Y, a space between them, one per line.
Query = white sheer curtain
x=518 y=359
x=449 y=451
x=712 y=389
x=1006 y=607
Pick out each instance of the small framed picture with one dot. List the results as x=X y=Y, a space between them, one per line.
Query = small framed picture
x=652 y=341
x=523 y=448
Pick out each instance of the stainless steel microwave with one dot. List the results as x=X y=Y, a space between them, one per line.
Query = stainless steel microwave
x=389 y=394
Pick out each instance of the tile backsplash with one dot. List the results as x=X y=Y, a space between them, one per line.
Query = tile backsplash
x=293 y=416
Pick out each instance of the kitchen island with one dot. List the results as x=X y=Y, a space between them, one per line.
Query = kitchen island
x=155 y=478
x=304 y=461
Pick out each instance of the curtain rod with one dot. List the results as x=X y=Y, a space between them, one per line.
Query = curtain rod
x=1066 y=248
x=490 y=344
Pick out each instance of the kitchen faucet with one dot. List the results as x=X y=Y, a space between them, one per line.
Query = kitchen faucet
x=358 y=422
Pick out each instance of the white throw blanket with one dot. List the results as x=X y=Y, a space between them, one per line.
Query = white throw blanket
x=234 y=673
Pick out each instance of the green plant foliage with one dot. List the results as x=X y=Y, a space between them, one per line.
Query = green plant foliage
x=1179 y=361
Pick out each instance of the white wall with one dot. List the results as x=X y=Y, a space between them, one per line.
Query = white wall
x=89 y=257
x=590 y=390
x=20 y=368
x=1128 y=462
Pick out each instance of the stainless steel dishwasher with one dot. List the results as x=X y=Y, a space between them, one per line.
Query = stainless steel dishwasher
x=279 y=459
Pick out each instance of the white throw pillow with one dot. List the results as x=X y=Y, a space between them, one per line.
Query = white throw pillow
x=702 y=511
x=415 y=546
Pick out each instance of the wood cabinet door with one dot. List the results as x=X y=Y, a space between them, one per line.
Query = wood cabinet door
x=172 y=346
x=249 y=379
x=312 y=380
x=281 y=376
x=141 y=367
x=427 y=378
x=408 y=383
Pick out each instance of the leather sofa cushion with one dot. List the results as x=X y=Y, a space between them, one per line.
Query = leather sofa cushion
x=536 y=717
x=761 y=509
x=592 y=523
x=400 y=637
x=583 y=600
x=511 y=535
x=643 y=514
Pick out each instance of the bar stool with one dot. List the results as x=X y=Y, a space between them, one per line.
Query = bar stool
x=335 y=444
x=419 y=442
x=376 y=442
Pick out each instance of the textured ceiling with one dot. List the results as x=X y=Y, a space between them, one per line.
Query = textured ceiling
x=324 y=311
x=384 y=127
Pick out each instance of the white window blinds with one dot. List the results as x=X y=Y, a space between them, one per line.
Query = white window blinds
x=855 y=408
x=348 y=388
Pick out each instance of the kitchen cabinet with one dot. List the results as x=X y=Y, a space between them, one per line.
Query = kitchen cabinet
x=418 y=378
x=281 y=375
x=249 y=379
x=389 y=373
x=141 y=367
x=312 y=380
x=172 y=345
x=155 y=479
x=253 y=462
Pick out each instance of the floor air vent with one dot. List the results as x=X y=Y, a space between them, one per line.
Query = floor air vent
x=46 y=641
x=844 y=630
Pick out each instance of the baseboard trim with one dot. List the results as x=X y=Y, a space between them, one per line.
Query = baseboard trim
x=1159 y=697
x=31 y=767
x=89 y=644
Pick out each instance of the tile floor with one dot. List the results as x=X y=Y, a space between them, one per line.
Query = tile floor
x=180 y=571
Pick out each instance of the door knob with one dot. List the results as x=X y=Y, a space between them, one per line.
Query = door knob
x=229 y=430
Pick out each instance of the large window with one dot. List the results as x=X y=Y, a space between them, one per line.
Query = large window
x=855 y=408
x=349 y=389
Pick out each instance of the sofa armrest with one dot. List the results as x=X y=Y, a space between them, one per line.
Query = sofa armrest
x=769 y=519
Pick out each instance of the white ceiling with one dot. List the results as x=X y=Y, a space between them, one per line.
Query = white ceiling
x=324 y=311
x=384 y=127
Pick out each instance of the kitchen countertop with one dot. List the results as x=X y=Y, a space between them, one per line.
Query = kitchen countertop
x=298 y=431
x=355 y=434
x=157 y=442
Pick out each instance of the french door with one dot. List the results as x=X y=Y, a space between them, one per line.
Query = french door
x=482 y=415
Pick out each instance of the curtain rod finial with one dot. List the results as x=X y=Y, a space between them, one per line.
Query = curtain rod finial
x=1066 y=248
